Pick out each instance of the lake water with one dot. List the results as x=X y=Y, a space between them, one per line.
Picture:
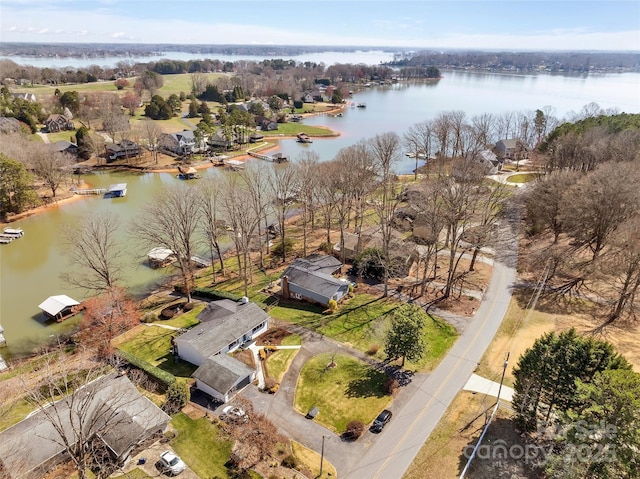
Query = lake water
x=30 y=267
x=368 y=57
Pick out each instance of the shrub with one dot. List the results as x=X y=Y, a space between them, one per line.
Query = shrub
x=326 y=247
x=333 y=305
x=270 y=385
x=276 y=250
x=373 y=349
x=290 y=461
x=214 y=294
x=167 y=313
x=188 y=306
x=149 y=317
x=262 y=354
x=391 y=385
x=156 y=373
x=354 y=430
x=178 y=396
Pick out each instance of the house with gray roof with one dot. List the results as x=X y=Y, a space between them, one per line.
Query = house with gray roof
x=311 y=279
x=109 y=410
x=224 y=326
x=180 y=143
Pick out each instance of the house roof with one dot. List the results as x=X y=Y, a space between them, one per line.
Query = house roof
x=184 y=134
x=321 y=263
x=55 y=304
x=221 y=372
x=509 y=143
x=63 y=145
x=223 y=322
x=9 y=124
x=125 y=145
x=110 y=407
x=117 y=187
x=322 y=284
x=56 y=117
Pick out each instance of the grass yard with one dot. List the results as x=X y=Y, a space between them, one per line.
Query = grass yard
x=522 y=177
x=184 y=320
x=350 y=391
x=278 y=363
x=14 y=413
x=201 y=445
x=136 y=473
x=362 y=323
x=292 y=129
x=182 y=82
x=311 y=460
x=153 y=344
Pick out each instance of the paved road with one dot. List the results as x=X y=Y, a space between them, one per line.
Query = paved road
x=412 y=423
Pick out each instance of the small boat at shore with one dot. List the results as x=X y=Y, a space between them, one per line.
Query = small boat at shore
x=304 y=138
x=17 y=232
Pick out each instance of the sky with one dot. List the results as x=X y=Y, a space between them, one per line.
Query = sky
x=610 y=25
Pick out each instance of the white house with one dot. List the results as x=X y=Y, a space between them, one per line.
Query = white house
x=225 y=326
x=181 y=143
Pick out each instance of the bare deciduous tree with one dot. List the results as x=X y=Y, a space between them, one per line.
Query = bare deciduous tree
x=284 y=189
x=53 y=168
x=92 y=246
x=151 y=132
x=171 y=222
x=243 y=222
x=307 y=173
x=209 y=198
x=386 y=150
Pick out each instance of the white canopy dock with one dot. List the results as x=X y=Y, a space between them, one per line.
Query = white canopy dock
x=58 y=307
x=160 y=257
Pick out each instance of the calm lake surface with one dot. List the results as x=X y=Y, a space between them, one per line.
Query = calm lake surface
x=368 y=57
x=30 y=267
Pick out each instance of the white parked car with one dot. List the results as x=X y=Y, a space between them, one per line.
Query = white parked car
x=234 y=413
x=172 y=463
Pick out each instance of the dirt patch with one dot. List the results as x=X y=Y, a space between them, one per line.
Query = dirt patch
x=446 y=452
x=245 y=356
x=273 y=337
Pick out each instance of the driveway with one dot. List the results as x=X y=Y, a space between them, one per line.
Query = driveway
x=414 y=421
x=147 y=460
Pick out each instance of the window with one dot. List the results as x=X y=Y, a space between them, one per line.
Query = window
x=257 y=328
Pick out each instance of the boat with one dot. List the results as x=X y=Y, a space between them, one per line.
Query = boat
x=235 y=165
x=361 y=105
x=188 y=173
x=117 y=190
x=304 y=138
x=17 y=232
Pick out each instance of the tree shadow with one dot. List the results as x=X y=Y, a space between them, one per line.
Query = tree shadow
x=369 y=383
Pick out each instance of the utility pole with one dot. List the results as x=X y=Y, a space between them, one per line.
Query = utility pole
x=321 y=456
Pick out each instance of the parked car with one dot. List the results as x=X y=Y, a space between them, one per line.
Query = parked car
x=172 y=463
x=380 y=422
x=234 y=413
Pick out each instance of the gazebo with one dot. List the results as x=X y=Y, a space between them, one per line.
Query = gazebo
x=58 y=307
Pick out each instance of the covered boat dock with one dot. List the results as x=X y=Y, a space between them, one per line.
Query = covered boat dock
x=58 y=307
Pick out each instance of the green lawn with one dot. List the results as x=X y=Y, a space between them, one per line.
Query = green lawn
x=278 y=362
x=153 y=344
x=350 y=391
x=182 y=82
x=14 y=413
x=201 y=445
x=292 y=129
x=362 y=323
x=522 y=177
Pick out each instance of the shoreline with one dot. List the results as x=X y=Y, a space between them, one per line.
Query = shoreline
x=202 y=165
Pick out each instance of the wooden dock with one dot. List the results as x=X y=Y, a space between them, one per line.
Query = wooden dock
x=277 y=158
x=92 y=191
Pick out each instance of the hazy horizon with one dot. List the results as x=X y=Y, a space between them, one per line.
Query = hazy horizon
x=541 y=25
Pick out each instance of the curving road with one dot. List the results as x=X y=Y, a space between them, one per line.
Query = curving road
x=394 y=451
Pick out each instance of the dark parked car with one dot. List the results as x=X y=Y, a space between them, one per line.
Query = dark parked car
x=383 y=418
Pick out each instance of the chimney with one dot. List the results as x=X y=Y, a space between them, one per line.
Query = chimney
x=285 y=287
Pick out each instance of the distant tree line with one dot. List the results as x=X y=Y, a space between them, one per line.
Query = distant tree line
x=575 y=62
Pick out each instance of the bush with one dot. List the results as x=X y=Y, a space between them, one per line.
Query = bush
x=262 y=354
x=149 y=317
x=188 y=307
x=373 y=349
x=167 y=313
x=391 y=385
x=290 y=461
x=178 y=396
x=354 y=430
x=276 y=250
x=333 y=305
x=270 y=385
x=156 y=373
x=214 y=294
x=326 y=247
